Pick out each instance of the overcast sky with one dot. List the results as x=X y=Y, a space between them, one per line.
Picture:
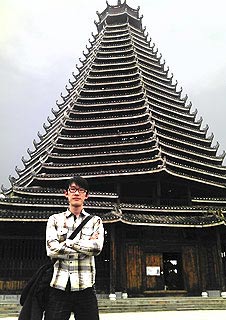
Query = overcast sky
x=42 y=40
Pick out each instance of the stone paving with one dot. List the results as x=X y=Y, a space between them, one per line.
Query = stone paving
x=160 y=315
x=167 y=315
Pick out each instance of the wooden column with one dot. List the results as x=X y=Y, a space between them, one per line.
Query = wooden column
x=221 y=269
x=112 y=259
x=122 y=262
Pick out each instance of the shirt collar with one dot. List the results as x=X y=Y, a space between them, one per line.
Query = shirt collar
x=83 y=213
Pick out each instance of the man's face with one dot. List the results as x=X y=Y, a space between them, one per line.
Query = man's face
x=76 y=195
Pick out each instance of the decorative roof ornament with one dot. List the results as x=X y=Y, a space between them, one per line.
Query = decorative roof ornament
x=73 y=100
x=194 y=113
x=144 y=91
x=64 y=97
x=25 y=161
x=40 y=136
x=99 y=15
x=171 y=77
x=167 y=70
x=35 y=143
x=74 y=75
x=85 y=53
x=50 y=120
x=59 y=104
x=71 y=83
x=46 y=127
x=154 y=136
x=12 y=180
x=33 y=173
x=62 y=122
x=180 y=91
x=55 y=112
x=210 y=138
x=200 y=120
x=48 y=151
x=164 y=162
x=96 y=23
x=189 y=106
x=2 y=195
x=78 y=68
x=90 y=42
x=30 y=152
x=53 y=142
x=68 y=89
x=159 y=152
x=163 y=64
x=117 y=211
x=216 y=147
x=42 y=159
x=185 y=98
x=81 y=61
x=146 y=104
x=222 y=156
x=70 y=107
x=206 y=129
x=18 y=171
x=157 y=142
x=94 y=36
x=150 y=116
x=66 y=114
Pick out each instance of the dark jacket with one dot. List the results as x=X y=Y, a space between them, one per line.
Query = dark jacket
x=34 y=295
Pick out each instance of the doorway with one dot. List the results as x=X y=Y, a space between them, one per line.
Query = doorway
x=163 y=272
x=172 y=271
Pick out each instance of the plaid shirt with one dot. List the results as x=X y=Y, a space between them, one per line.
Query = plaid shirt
x=76 y=257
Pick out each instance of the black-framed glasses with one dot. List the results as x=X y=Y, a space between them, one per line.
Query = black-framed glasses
x=74 y=190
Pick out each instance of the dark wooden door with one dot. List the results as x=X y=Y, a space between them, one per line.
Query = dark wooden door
x=153 y=271
x=191 y=270
x=133 y=268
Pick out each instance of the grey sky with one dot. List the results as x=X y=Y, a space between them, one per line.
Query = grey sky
x=42 y=40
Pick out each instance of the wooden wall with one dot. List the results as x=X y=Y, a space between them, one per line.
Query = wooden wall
x=144 y=246
x=127 y=252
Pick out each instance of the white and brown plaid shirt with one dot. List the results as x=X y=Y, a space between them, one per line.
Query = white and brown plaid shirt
x=76 y=257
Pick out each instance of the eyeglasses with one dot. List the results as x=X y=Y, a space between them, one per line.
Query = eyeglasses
x=74 y=190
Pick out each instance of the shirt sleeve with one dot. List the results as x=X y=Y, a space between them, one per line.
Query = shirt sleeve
x=90 y=247
x=54 y=247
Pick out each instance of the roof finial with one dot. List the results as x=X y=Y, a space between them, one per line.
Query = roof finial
x=3 y=189
x=119 y=3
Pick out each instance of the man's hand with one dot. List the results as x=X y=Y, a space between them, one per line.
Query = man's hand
x=94 y=236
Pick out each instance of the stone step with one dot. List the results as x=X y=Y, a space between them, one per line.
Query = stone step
x=12 y=307
x=160 y=304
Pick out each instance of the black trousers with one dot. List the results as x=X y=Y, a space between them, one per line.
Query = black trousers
x=82 y=303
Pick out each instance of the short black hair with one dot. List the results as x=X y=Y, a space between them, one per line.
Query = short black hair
x=80 y=181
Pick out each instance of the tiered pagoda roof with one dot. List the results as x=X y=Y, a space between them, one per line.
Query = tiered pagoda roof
x=122 y=119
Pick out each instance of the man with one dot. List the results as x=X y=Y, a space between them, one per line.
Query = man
x=71 y=288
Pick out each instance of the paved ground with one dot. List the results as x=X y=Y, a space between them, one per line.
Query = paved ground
x=168 y=315
x=161 y=315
